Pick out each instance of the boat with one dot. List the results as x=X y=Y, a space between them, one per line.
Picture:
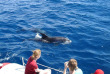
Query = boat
x=11 y=68
x=15 y=68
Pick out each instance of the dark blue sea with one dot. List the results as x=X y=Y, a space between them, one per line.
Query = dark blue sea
x=85 y=22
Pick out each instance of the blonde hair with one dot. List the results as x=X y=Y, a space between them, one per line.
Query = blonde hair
x=36 y=53
x=72 y=64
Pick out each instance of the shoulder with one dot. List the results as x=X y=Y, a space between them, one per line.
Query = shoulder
x=30 y=58
x=78 y=71
x=34 y=63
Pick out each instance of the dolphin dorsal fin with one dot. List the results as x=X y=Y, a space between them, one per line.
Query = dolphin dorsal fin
x=43 y=35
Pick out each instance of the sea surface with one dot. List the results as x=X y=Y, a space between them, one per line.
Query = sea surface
x=85 y=22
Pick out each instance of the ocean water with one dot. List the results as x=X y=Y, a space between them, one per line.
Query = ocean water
x=85 y=22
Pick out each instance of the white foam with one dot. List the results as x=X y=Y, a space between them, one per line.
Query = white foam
x=67 y=41
x=38 y=36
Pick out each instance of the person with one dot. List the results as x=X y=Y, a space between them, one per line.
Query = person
x=32 y=67
x=73 y=68
x=98 y=71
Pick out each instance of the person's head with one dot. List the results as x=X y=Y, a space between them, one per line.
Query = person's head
x=72 y=64
x=36 y=54
x=98 y=71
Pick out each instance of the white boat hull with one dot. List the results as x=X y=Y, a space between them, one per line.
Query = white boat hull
x=12 y=68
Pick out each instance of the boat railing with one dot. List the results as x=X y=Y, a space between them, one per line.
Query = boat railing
x=42 y=65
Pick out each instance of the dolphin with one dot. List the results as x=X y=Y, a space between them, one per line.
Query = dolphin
x=57 y=40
